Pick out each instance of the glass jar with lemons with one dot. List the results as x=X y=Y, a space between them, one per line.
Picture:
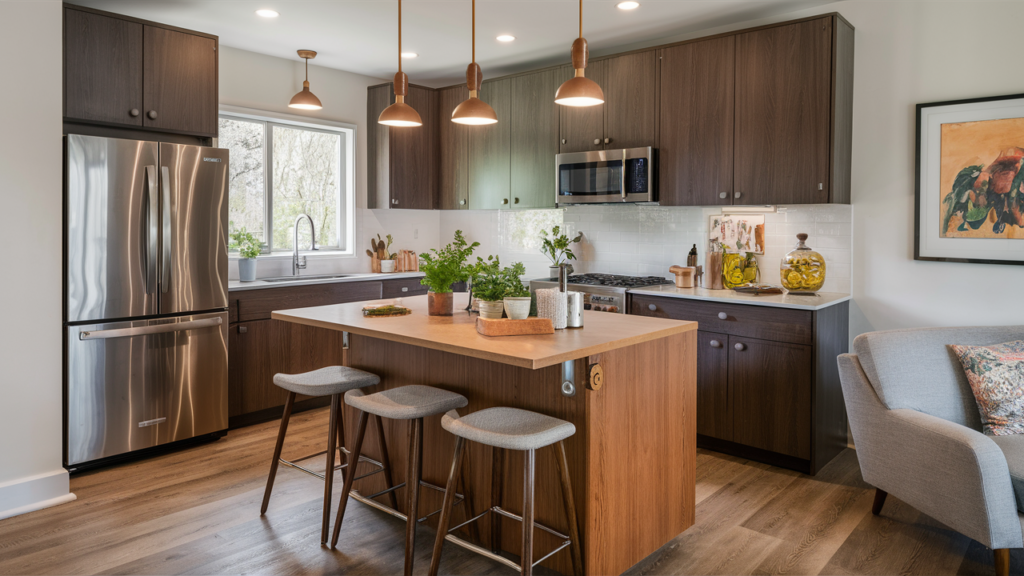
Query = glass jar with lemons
x=738 y=269
x=803 y=269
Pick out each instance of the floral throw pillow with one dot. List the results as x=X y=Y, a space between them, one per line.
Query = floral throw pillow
x=996 y=375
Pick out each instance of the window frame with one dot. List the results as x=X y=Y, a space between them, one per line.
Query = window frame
x=346 y=207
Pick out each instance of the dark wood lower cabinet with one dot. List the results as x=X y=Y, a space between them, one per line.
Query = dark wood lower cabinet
x=776 y=398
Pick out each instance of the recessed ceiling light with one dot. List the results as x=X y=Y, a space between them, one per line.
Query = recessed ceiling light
x=409 y=54
x=628 y=5
x=506 y=38
x=267 y=13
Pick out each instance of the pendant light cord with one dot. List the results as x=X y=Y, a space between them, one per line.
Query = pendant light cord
x=399 y=36
x=474 y=31
x=581 y=18
x=307 y=69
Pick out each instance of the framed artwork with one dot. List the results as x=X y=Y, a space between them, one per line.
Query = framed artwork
x=970 y=181
x=738 y=232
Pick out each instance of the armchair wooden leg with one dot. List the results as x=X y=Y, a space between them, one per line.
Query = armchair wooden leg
x=1002 y=559
x=876 y=507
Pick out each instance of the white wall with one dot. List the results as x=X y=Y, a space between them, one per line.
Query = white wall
x=31 y=227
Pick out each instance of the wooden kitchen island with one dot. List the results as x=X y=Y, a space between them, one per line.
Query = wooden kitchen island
x=633 y=455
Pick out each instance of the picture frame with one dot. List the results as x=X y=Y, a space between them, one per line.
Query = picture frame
x=969 y=184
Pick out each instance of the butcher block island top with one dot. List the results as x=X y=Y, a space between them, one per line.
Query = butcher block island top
x=602 y=332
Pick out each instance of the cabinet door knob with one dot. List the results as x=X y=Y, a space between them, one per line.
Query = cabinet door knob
x=134 y=112
x=723 y=194
x=607 y=140
x=716 y=344
x=563 y=140
x=243 y=329
x=517 y=200
x=405 y=288
x=151 y=114
x=740 y=346
x=597 y=141
x=737 y=194
x=652 y=307
x=723 y=316
x=504 y=200
x=462 y=202
x=393 y=201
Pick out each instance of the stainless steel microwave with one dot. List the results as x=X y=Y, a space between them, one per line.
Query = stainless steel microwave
x=605 y=176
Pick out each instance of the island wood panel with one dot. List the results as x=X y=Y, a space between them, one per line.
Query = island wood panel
x=783 y=95
x=489 y=151
x=102 y=68
x=260 y=304
x=631 y=460
x=581 y=128
x=180 y=81
x=697 y=111
x=534 y=141
x=458 y=333
x=631 y=100
x=453 y=176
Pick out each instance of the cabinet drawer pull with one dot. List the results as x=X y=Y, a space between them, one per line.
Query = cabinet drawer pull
x=152 y=114
x=243 y=329
x=462 y=202
x=652 y=307
x=563 y=140
x=737 y=194
x=716 y=344
x=134 y=112
x=504 y=200
x=597 y=141
x=740 y=346
x=607 y=140
x=723 y=194
x=723 y=316
x=405 y=288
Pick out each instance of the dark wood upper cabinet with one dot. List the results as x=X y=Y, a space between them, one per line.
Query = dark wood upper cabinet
x=489 y=151
x=534 y=139
x=453 y=180
x=124 y=71
x=582 y=128
x=631 y=100
x=697 y=103
x=102 y=68
x=783 y=113
x=402 y=162
x=180 y=82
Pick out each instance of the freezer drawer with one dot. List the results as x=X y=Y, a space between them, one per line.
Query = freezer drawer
x=137 y=384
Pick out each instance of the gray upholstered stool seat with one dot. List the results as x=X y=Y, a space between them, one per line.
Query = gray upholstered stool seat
x=509 y=428
x=406 y=402
x=326 y=381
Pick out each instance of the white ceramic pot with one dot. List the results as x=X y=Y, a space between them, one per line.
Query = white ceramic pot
x=553 y=271
x=517 y=308
x=247 y=269
x=387 y=266
x=491 y=310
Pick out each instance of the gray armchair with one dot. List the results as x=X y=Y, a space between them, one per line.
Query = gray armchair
x=918 y=435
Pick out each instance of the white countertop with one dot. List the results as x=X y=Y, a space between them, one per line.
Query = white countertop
x=794 y=301
x=235 y=285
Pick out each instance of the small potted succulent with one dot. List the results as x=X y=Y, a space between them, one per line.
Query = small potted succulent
x=383 y=250
x=441 y=269
x=517 y=296
x=555 y=245
x=248 y=247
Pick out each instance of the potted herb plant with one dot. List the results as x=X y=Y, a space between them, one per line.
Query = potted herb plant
x=555 y=245
x=442 y=268
x=248 y=247
x=489 y=287
x=517 y=295
x=387 y=257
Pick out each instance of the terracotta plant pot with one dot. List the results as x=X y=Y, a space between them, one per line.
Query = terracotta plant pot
x=439 y=304
x=518 y=308
x=491 y=310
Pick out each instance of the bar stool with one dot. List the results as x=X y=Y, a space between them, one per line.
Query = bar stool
x=411 y=403
x=510 y=429
x=331 y=381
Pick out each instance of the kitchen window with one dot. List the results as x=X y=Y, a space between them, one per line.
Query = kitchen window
x=282 y=166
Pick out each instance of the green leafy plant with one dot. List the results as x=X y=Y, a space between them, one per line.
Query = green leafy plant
x=246 y=243
x=494 y=283
x=555 y=245
x=446 y=266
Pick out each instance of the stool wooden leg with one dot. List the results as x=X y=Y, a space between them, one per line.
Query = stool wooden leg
x=350 y=477
x=277 y=451
x=332 y=439
x=446 y=507
x=341 y=434
x=467 y=499
x=876 y=506
x=570 y=509
x=412 y=486
x=497 y=483
x=385 y=462
x=526 y=559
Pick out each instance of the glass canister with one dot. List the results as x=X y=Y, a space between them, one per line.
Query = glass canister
x=738 y=269
x=803 y=269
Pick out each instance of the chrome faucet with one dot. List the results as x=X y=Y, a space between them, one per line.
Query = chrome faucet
x=299 y=262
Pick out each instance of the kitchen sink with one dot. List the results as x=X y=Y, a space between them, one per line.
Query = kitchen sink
x=305 y=278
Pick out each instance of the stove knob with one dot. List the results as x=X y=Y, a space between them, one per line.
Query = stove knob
x=599 y=308
x=613 y=308
x=587 y=306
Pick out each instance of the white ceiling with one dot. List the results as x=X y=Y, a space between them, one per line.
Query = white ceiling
x=361 y=35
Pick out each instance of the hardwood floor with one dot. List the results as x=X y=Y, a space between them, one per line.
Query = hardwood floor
x=196 y=511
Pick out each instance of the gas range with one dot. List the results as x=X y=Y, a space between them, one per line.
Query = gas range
x=602 y=292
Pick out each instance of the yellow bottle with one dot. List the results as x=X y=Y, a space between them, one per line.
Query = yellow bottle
x=803 y=269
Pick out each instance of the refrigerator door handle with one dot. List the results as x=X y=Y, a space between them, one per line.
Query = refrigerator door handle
x=165 y=263
x=155 y=329
x=152 y=230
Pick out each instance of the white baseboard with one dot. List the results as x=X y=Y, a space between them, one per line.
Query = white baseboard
x=34 y=493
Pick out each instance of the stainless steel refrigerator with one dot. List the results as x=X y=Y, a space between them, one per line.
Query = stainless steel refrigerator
x=145 y=311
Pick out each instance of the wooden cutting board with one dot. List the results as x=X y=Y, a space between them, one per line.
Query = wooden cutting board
x=507 y=327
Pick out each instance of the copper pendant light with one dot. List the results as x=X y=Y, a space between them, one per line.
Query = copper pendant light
x=474 y=111
x=400 y=113
x=305 y=100
x=580 y=90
